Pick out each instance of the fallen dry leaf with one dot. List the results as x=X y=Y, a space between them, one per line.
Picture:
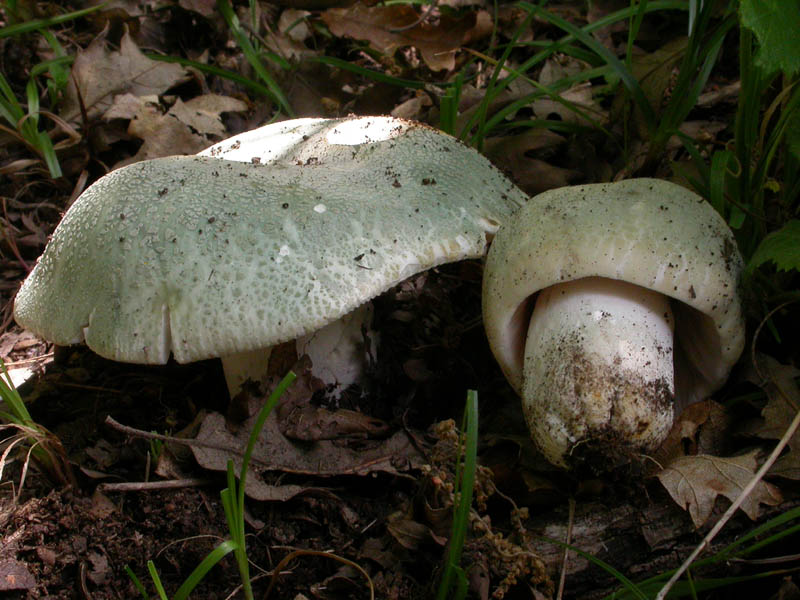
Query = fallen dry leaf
x=694 y=482
x=101 y=73
x=100 y=569
x=781 y=389
x=411 y=534
x=163 y=135
x=700 y=429
x=203 y=113
x=413 y=107
x=186 y=128
x=203 y=7
x=523 y=157
x=313 y=423
x=437 y=44
x=577 y=98
x=275 y=452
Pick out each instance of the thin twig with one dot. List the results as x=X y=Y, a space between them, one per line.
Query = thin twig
x=144 y=486
x=292 y=555
x=562 y=580
x=150 y=435
x=421 y=19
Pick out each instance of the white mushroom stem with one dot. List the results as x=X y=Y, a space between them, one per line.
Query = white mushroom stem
x=598 y=368
x=339 y=351
x=338 y=354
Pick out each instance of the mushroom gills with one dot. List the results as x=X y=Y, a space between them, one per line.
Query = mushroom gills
x=598 y=370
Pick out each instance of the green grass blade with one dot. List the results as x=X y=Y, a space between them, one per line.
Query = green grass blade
x=373 y=75
x=465 y=483
x=50 y=64
x=27 y=124
x=699 y=162
x=39 y=140
x=653 y=584
x=581 y=34
x=12 y=399
x=730 y=550
x=200 y=571
x=9 y=105
x=136 y=582
x=550 y=92
x=690 y=83
x=229 y=508
x=45 y=146
x=717 y=177
x=36 y=24
x=233 y=496
x=633 y=32
x=255 y=86
x=56 y=67
x=629 y=586
x=562 y=45
x=775 y=139
x=151 y=568
x=265 y=411
x=492 y=90
x=770 y=540
x=253 y=57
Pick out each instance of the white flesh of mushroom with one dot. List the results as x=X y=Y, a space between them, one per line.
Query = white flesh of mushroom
x=604 y=348
x=339 y=351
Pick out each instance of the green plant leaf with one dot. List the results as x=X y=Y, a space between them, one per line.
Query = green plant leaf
x=793 y=135
x=782 y=247
x=453 y=576
x=775 y=24
x=33 y=25
x=200 y=571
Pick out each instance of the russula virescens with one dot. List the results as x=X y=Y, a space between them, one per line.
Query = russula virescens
x=585 y=290
x=199 y=257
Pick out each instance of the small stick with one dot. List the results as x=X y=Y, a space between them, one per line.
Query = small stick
x=141 y=486
x=563 y=578
x=149 y=435
x=421 y=18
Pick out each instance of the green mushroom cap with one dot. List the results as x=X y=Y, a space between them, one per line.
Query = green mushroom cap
x=202 y=257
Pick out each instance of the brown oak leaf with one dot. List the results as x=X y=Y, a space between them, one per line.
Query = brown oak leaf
x=694 y=482
x=101 y=73
x=779 y=384
x=383 y=27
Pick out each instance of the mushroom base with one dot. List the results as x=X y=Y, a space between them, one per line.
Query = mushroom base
x=598 y=372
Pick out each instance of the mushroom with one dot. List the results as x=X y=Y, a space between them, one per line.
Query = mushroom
x=199 y=256
x=629 y=296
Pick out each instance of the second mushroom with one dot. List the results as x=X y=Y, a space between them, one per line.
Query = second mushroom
x=607 y=306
